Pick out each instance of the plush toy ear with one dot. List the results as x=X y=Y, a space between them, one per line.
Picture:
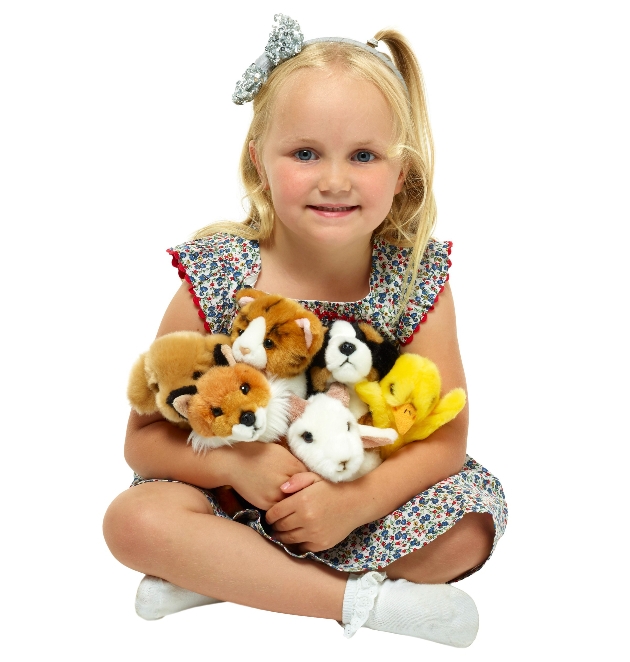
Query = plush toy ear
x=339 y=392
x=247 y=295
x=226 y=350
x=181 y=404
x=373 y=437
x=305 y=324
x=140 y=396
x=297 y=406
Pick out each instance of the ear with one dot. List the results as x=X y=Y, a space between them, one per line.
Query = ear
x=373 y=437
x=255 y=156
x=297 y=406
x=247 y=295
x=226 y=350
x=400 y=182
x=339 y=392
x=375 y=442
x=305 y=324
x=181 y=404
x=219 y=356
x=140 y=396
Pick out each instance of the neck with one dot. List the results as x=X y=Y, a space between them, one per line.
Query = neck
x=300 y=269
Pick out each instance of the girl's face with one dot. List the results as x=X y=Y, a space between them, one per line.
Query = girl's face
x=324 y=157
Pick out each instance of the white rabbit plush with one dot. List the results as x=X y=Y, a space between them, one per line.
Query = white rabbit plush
x=326 y=437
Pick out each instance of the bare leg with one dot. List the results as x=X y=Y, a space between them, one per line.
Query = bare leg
x=461 y=548
x=168 y=530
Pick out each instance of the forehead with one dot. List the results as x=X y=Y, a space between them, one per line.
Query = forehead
x=332 y=102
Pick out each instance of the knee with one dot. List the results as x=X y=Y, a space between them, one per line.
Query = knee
x=475 y=533
x=130 y=525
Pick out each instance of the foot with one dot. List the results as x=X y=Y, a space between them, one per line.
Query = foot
x=435 y=612
x=157 y=598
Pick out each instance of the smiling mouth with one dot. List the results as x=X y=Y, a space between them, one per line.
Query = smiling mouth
x=338 y=208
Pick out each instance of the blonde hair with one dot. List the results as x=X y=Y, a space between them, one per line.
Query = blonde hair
x=411 y=220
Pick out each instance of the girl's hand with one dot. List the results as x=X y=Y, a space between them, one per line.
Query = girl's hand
x=314 y=517
x=258 y=469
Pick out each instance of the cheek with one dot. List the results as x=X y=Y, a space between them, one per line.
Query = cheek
x=288 y=185
x=379 y=189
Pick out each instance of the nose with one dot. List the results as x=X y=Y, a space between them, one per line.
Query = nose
x=245 y=350
x=334 y=177
x=342 y=465
x=247 y=418
x=347 y=348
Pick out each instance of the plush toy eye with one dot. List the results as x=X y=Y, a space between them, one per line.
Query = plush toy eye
x=391 y=389
x=308 y=437
x=268 y=344
x=197 y=374
x=348 y=426
x=240 y=331
x=245 y=388
x=217 y=411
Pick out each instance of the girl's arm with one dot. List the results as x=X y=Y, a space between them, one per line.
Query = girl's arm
x=155 y=448
x=302 y=518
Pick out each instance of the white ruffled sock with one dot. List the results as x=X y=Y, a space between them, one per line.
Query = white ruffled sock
x=436 y=612
x=157 y=598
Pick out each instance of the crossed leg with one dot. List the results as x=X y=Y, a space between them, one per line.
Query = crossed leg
x=168 y=530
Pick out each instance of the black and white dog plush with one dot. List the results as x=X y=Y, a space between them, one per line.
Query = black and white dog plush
x=352 y=352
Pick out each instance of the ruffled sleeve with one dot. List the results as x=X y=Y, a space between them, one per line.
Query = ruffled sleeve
x=216 y=267
x=430 y=281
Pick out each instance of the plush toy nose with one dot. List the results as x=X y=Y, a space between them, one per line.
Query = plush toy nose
x=245 y=350
x=343 y=465
x=347 y=348
x=247 y=418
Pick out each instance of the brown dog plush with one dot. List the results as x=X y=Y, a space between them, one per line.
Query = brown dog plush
x=277 y=335
x=171 y=367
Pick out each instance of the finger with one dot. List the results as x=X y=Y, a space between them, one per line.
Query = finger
x=290 y=537
x=287 y=523
x=299 y=481
x=279 y=510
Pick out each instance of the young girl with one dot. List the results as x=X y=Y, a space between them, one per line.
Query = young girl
x=337 y=166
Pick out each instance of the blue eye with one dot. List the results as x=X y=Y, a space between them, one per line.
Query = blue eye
x=305 y=155
x=364 y=156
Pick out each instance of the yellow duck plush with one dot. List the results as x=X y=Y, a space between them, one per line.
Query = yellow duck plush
x=408 y=399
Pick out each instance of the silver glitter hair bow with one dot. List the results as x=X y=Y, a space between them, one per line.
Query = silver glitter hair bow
x=285 y=41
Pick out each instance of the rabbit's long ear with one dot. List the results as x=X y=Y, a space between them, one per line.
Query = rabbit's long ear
x=373 y=437
x=339 y=392
x=297 y=406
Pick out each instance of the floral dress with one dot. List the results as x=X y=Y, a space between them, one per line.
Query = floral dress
x=219 y=265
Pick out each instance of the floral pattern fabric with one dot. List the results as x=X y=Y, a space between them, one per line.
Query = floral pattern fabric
x=219 y=265
x=376 y=545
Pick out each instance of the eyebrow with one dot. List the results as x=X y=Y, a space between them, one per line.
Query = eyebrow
x=306 y=141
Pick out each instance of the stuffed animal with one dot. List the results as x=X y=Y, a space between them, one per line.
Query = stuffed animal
x=172 y=366
x=327 y=438
x=277 y=335
x=352 y=352
x=235 y=403
x=408 y=399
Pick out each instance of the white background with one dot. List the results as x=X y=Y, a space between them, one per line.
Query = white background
x=118 y=139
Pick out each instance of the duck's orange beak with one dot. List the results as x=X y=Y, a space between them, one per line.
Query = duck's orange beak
x=404 y=417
